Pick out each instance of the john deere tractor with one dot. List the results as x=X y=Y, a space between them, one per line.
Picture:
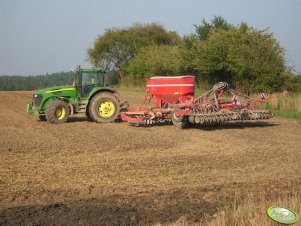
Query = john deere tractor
x=88 y=95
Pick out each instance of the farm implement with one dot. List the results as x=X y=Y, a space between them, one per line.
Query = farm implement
x=176 y=104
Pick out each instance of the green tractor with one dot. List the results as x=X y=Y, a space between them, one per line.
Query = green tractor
x=88 y=95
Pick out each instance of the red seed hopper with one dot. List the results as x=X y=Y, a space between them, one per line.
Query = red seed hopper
x=169 y=90
x=166 y=91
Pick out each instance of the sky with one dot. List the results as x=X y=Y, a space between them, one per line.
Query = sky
x=46 y=36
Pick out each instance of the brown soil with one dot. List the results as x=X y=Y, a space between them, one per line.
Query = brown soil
x=84 y=173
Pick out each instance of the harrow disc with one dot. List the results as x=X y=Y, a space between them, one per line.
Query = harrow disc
x=197 y=119
x=191 y=119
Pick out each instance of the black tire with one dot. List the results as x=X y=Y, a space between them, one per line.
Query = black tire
x=88 y=114
x=57 y=112
x=179 y=121
x=104 y=107
x=42 y=117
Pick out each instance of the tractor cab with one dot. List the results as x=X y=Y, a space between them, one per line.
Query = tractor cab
x=86 y=80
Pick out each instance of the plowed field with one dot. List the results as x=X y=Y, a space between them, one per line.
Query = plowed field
x=86 y=173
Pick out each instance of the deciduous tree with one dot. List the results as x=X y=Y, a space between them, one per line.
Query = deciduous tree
x=117 y=46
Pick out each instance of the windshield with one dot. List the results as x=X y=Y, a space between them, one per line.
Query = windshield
x=92 y=79
x=89 y=81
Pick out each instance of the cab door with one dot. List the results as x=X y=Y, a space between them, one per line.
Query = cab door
x=89 y=81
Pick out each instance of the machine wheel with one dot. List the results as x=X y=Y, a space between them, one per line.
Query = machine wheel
x=179 y=121
x=57 y=112
x=42 y=117
x=104 y=107
x=88 y=115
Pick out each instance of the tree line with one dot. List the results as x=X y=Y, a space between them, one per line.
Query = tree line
x=8 y=83
x=249 y=59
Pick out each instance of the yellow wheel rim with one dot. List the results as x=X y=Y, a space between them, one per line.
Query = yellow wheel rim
x=60 y=113
x=106 y=109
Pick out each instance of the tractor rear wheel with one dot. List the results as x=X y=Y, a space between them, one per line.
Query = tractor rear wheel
x=57 y=112
x=104 y=107
x=88 y=115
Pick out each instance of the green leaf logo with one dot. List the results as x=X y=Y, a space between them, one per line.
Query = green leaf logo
x=282 y=215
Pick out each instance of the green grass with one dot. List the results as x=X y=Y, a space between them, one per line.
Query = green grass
x=287 y=106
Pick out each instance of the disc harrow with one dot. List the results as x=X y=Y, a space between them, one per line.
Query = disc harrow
x=176 y=104
x=147 y=123
x=220 y=118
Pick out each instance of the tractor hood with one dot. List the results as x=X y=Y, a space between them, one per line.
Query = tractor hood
x=56 y=90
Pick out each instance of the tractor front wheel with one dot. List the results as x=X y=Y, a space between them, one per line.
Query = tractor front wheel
x=57 y=112
x=104 y=107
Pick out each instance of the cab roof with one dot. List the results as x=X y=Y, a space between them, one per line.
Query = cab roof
x=92 y=70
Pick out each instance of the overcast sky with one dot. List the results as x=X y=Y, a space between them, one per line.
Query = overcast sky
x=45 y=36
